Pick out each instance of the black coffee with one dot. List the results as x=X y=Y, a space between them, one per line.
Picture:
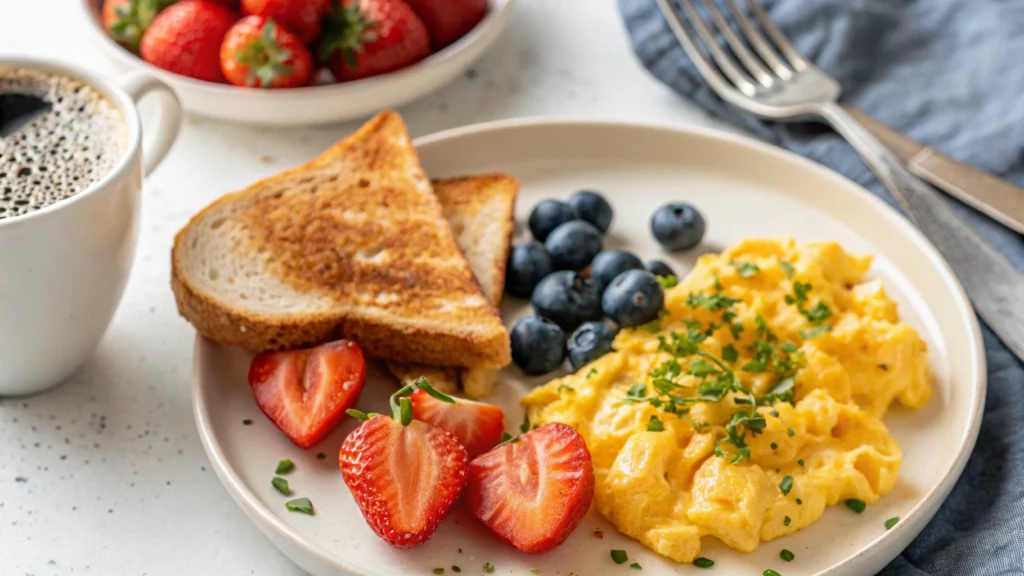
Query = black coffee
x=58 y=136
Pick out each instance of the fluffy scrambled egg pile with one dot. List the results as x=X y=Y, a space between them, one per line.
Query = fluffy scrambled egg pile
x=753 y=403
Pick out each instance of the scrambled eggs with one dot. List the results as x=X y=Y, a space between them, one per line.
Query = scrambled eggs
x=751 y=405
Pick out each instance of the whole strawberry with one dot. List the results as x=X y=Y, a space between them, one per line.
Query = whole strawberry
x=368 y=37
x=185 y=38
x=448 y=20
x=403 y=503
x=303 y=17
x=257 y=52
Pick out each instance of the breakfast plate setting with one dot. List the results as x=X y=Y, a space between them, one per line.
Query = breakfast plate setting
x=885 y=359
x=457 y=338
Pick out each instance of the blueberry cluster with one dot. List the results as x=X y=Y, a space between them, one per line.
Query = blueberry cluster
x=578 y=288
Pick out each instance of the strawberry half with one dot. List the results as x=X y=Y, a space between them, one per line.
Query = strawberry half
x=405 y=475
x=477 y=425
x=305 y=392
x=533 y=491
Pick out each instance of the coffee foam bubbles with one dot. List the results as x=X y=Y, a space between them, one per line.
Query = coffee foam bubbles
x=62 y=151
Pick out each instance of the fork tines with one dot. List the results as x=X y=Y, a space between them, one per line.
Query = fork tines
x=753 y=57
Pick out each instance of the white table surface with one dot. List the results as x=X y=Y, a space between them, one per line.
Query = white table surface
x=106 y=474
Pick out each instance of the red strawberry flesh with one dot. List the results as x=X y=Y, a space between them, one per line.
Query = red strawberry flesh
x=535 y=491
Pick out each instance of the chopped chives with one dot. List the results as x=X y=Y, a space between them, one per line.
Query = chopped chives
x=619 y=556
x=281 y=485
x=655 y=425
x=891 y=522
x=857 y=506
x=799 y=501
x=800 y=461
x=791 y=432
x=774 y=446
x=786 y=485
x=636 y=566
x=786 y=555
x=770 y=572
x=284 y=466
x=786 y=521
x=438 y=570
x=488 y=567
x=300 y=505
x=703 y=562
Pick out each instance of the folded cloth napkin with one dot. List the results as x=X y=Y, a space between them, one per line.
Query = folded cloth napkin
x=949 y=74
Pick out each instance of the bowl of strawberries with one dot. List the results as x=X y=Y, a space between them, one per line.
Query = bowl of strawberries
x=296 y=62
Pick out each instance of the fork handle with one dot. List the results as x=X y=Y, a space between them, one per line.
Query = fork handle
x=992 y=283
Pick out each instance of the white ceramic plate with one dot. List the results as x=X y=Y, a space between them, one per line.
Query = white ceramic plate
x=313 y=104
x=745 y=189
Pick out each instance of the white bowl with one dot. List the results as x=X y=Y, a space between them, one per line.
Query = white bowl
x=313 y=104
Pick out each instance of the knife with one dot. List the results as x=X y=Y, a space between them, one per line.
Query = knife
x=995 y=197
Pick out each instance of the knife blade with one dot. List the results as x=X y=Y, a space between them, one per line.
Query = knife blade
x=995 y=197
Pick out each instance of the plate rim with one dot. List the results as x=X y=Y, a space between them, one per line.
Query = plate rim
x=922 y=512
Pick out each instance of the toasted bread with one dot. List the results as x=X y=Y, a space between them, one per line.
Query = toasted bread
x=352 y=244
x=480 y=210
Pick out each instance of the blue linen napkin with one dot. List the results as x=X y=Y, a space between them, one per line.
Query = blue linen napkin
x=950 y=74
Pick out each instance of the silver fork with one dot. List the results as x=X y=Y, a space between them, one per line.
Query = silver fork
x=778 y=84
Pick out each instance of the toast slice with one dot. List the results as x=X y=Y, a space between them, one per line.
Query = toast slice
x=352 y=244
x=481 y=211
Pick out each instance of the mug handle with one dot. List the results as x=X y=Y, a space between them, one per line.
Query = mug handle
x=137 y=86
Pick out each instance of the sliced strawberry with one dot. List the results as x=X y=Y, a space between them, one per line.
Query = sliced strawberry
x=477 y=425
x=305 y=392
x=534 y=491
x=405 y=475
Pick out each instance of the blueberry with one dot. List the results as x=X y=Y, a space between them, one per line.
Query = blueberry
x=573 y=245
x=659 y=268
x=567 y=299
x=633 y=298
x=609 y=264
x=528 y=264
x=548 y=215
x=588 y=343
x=593 y=208
x=538 y=345
x=677 y=226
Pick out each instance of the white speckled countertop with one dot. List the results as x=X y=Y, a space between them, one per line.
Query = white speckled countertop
x=106 y=475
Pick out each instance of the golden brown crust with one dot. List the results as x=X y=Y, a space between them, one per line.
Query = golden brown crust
x=320 y=229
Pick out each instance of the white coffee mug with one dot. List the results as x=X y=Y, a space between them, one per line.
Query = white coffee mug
x=64 y=267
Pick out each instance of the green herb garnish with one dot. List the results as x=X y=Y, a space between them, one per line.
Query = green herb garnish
x=281 y=485
x=534 y=570
x=786 y=521
x=593 y=372
x=799 y=501
x=284 y=466
x=786 y=485
x=891 y=522
x=525 y=426
x=787 y=268
x=745 y=269
x=787 y=555
x=300 y=505
x=714 y=302
x=790 y=432
x=667 y=281
x=636 y=566
x=505 y=437
x=564 y=388
x=655 y=425
x=774 y=446
x=815 y=332
x=488 y=567
x=800 y=461
x=770 y=572
x=857 y=506
x=619 y=556
x=703 y=562
x=438 y=570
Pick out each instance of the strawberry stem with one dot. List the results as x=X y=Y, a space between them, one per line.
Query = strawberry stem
x=405 y=411
x=424 y=384
x=265 y=57
x=357 y=414
x=345 y=29
x=133 y=19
